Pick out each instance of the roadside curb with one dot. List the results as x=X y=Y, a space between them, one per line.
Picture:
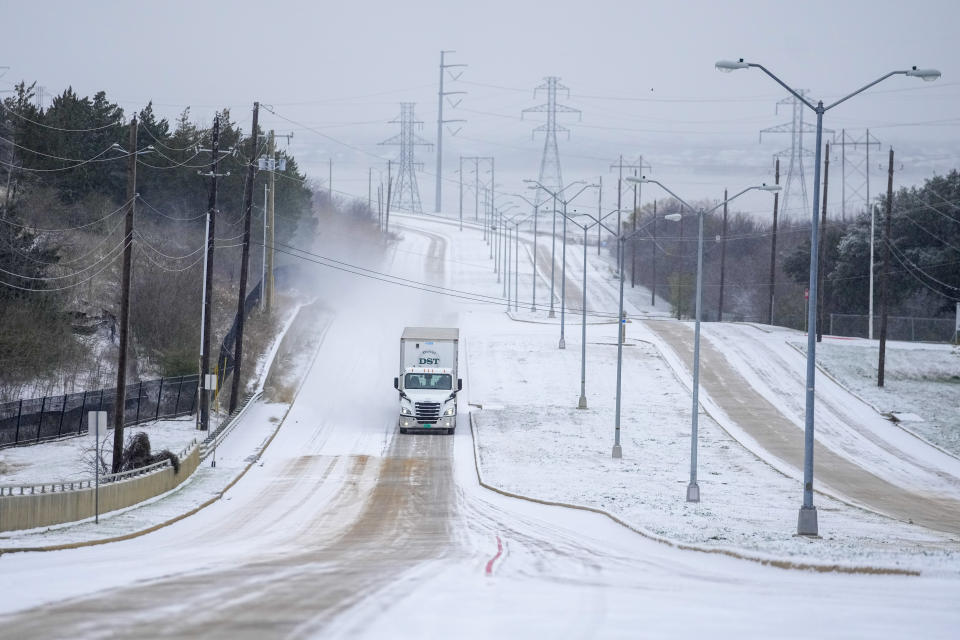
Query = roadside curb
x=136 y=534
x=770 y=562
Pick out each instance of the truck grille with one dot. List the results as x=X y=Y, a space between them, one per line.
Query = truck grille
x=428 y=412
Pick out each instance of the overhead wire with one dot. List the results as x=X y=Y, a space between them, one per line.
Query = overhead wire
x=47 y=126
x=106 y=256
x=82 y=226
x=70 y=286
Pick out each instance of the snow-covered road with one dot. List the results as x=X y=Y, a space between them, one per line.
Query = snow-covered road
x=348 y=529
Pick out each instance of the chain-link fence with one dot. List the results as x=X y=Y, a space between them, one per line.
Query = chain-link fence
x=903 y=328
x=38 y=419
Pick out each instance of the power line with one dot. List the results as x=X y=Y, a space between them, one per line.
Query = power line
x=117 y=123
x=69 y=275
x=70 y=286
x=82 y=226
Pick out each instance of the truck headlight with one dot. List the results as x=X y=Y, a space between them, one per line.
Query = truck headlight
x=406 y=411
x=450 y=411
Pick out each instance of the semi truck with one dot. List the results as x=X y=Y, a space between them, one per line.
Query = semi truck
x=428 y=382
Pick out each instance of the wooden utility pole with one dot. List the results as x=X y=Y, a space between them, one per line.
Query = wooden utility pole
x=680 y=256
x=208 y=280
x=821 y=249
x=885 y=274
x=773 y=244
x=653 y=256
x=119 y=404
x=244 y=262
x=268 y=289
x=723 y=256
x=389 y=193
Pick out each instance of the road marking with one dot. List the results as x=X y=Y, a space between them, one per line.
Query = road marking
x=492 y=560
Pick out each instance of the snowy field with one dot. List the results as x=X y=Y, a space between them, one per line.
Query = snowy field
x=534 y=441
x=921 y=383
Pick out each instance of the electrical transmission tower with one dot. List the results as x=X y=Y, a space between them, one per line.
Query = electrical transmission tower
x=550 y=174
x=407 y=192
x=796 y=175
x=855 y=169
x=440 y=121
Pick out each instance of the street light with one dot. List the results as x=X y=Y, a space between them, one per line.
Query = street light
x=516 y=221
x=582 y=403
x=563 y=259
x=536 y=214
x=693 y=489
x=621 y=239
x=553 y=238
x=807 y=519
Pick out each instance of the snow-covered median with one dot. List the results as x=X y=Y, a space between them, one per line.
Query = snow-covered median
x=537 y=443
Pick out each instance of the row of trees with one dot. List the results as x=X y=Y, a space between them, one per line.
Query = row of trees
x=63 y=173
x=924 y=268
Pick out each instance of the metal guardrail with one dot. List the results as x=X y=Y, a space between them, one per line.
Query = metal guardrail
x=77 y=485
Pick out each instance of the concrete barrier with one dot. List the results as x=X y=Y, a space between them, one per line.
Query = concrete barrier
x=45 y=508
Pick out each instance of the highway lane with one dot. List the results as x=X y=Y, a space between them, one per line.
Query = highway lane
x=350 y=529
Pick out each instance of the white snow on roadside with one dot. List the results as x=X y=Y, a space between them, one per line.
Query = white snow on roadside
x=921 y=380
x=540 y=445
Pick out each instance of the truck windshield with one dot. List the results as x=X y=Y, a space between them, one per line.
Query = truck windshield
x=439 y=381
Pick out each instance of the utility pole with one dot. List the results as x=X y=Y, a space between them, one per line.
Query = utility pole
x=680 y=256
x=244 y=261
x=121 y=394
x=370 y=188
x=205 y=324
x=773 y=244
x=885 y=275
x=268 y=289
x=599 y=213
x=821 y=249
x=460 y=174
x=440 y=121
x=389 y=193
x=620 y=166
x=271 y=165
x=723 y=256
x=653 y=256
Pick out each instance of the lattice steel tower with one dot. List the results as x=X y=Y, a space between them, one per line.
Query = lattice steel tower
x=550 y=174
x=796 y=178
x=407 y=192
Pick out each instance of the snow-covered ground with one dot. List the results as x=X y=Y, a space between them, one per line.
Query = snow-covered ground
x=533 y=441
x=71 y=459
x=349 y=529
x=921 y=383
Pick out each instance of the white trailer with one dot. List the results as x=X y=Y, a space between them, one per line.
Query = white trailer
x=428 y=382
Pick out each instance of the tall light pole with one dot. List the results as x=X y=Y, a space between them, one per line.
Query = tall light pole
x=536 y=215
x=693 y=489
x=563 y=260
x=807 y=519
x=582 y=403
x=516 y=221
x=553 y=234
x=621 y=240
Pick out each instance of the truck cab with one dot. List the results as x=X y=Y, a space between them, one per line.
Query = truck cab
x=428 y=382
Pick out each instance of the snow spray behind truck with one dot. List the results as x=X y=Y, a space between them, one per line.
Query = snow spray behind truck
x=428 y=382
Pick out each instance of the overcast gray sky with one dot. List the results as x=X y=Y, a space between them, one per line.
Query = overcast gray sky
x=641 y=72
